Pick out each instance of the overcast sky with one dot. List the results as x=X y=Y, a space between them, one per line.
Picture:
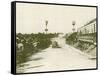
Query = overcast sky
x=30 y=18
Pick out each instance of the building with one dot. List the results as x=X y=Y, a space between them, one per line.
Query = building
x=87 y=33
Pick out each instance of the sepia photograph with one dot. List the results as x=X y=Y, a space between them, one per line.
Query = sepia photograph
x=55 y=37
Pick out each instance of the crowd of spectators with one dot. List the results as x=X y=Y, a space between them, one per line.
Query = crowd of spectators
x=29 y=44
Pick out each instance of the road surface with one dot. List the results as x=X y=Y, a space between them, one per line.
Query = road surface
x=54 y=59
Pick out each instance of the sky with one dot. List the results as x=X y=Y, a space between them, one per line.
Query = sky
x=30 y=18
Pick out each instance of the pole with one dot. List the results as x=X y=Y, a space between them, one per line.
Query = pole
x=46 y=23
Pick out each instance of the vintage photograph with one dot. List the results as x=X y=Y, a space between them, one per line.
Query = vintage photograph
x=52 y=37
